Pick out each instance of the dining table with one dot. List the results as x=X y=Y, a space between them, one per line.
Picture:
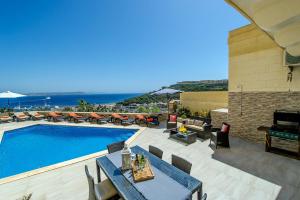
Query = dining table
x=169 y=182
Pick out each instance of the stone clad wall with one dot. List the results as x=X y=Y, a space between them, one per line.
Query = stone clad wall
x=218 y=117
x=256 y=109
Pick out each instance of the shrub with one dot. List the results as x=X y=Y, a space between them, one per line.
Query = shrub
x=142 y=109
x=184 y=111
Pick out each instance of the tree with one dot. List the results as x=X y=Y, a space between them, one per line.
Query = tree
x=142 y=109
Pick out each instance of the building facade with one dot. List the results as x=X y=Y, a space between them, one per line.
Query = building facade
x=258 y=83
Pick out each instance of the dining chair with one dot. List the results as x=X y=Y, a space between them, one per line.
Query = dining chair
x=156 y=151
x=117 y=146
x=181 y=164
x=100 y=191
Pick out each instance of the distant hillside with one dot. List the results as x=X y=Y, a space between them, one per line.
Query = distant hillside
x=205 y=85
x=186 y=86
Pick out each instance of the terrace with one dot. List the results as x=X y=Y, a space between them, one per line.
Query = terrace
x=244 y=171
x=262 y=80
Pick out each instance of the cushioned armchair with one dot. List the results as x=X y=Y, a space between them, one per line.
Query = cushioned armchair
x=220 y=136
x=172 y=121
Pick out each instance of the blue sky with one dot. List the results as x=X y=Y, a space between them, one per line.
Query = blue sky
x=112 y=45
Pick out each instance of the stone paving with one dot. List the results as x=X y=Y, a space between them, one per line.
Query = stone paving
x=244 y=171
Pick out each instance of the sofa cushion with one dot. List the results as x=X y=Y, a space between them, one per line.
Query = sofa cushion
x=194 y=127
x=198 y=123
x=179 y=119
x=190 y=122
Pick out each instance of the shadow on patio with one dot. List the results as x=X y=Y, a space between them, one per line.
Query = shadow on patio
x=253 y=159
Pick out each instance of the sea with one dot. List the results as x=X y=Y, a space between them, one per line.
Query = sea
x=61 y=100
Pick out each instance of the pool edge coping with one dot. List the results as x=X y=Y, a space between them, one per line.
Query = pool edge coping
x=68 y=162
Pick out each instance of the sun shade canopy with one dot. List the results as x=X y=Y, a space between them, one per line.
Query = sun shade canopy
x=278 y=18
x=166 y=91
x=8 y=95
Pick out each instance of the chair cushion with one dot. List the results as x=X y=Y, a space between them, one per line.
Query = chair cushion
x=105 y=190
x=284 y=135
x=224 y=128
x=150 y=119
x=173 y=118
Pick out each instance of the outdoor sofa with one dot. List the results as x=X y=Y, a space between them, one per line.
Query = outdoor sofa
x=201 y=126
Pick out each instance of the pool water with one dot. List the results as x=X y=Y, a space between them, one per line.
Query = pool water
x=37 y=146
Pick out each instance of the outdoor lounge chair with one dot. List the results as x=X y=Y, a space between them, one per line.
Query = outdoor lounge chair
x=101 y=191
x=5 y=118
x=55 y=117
x=121 y=119
x=117 y=146
x=220 y=136
x=181 y=164
x=36 y=116
x=97 y=118
x=156 y=151
x=140 y=119
x=75 y=117
x=152 y=121
x=172 y=121
x=20 y=116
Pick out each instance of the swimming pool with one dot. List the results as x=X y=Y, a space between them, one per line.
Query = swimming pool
x=37 y=146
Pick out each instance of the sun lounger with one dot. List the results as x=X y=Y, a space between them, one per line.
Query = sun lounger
x=36 y=116
x=97 y=118
x=54 y=117
x=152 y=121
x=76 y=118
x=123 y=120
x=117 y=118
x=140 y=119
x=5 y=118
x=20 y=117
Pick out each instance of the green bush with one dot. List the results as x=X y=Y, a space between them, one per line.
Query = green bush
x=184 y=111
x=154 y=109
x=142 y=109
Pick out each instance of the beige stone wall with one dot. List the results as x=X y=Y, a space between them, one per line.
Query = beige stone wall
x=218 y=117
x=199 y=101
x=256 y=63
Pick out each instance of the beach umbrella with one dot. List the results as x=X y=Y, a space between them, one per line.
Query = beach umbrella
x=166 y=91
x=10 y=95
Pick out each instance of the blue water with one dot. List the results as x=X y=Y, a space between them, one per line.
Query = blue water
x=66 y=100
x=37 y=146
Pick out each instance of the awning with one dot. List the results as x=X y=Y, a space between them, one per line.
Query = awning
x=278 y=18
